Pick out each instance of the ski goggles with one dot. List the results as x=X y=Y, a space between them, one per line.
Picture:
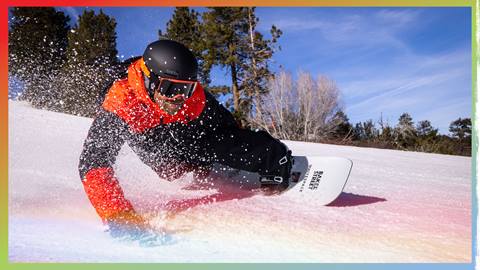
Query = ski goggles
x=172 y=88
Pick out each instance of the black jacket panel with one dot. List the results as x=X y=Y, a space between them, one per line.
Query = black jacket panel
x=212 y=137
x=104 y=140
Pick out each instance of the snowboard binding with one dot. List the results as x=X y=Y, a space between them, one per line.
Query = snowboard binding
x=278 y=180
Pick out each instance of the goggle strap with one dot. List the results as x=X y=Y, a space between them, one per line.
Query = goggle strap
x=144 y=68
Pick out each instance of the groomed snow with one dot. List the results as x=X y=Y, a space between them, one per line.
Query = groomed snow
x=397 y=207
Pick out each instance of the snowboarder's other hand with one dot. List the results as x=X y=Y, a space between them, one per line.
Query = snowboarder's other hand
x=127 y=224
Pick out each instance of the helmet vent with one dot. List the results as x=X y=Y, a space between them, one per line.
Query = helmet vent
x=171 y=72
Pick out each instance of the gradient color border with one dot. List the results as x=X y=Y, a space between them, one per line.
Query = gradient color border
x=4 y=5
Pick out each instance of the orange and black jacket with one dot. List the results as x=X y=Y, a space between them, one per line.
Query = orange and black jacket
x=201 y=133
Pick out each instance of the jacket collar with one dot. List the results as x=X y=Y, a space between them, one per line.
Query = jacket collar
x=191 y=109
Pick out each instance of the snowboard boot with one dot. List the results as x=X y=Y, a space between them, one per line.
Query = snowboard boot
x=278 y=180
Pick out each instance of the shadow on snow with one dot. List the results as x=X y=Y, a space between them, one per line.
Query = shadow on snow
x=349 y=199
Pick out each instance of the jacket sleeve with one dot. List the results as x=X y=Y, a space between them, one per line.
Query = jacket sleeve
x=255 y=151
x=104 y=140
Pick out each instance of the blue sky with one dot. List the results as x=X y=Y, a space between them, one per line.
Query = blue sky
x=385 y=61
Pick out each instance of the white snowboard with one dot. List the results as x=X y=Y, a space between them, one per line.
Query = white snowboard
x=313 y=177
x=319 y=178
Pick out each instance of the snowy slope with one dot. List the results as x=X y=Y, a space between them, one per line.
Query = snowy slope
x=397 y=207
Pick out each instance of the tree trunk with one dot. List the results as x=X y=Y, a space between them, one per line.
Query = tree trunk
x=254 y=64
x=236 y=92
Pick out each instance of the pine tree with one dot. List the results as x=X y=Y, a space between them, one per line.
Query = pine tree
x=405 y=133
x=461 y=128
x=427 y=137
x=93 y=40
x=226 y=30
x=231 y=41
x=185 y=27
x=358 y=132
x=37 y=42
x=365 y=131
x=342 y=130
x=425 y=129
x=91 y=65
x=256 y=71
x=386 y=133
x=371 y=132
x=386 y=137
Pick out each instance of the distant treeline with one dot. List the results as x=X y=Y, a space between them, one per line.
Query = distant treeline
x=406 y=135
x=68 y=69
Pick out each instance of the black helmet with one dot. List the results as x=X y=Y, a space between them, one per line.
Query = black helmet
x=170 y=59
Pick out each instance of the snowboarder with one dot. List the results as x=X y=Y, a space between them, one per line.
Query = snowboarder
x=175 y=127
